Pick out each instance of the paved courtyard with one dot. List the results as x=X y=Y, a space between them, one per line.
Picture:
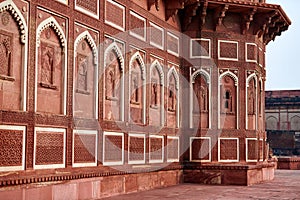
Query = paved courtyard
x=286 y=185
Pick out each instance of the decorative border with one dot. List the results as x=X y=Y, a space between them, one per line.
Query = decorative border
x=63 y=1
x=249 y=78
x=105 y=133
x=262 y=149
x=200 y=39
x=16 y=128
x=85 y=132
x=246 y=52
x=162 y=149
x=209 y=146
x=178 y=47
x=237 y=150
x=85 y=11
x=247 y=149
x=136 y=136
x=231 y=42
x=173 y=138
x=44 y=129
x=133 y=33
x=121 y=28
x=152 y=26
x=173 y=71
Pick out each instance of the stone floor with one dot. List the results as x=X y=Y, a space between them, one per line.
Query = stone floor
x=286 y=185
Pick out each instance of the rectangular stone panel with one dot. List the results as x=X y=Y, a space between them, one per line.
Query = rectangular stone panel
x=89 y=7
x=261 y=149
x=137 y=26
x=156 y=36
x=228 y=50
x=228 y=150
x=12 y=151
x=172 y=149
x=115 y=14
x=172 y=44
x=200 y=149
x=113 y=148
x=84 y=148
x=156 y=144
x=251 y=149
x=49 y=148
x=251 y=52
x=136 y=148
x=200 y=48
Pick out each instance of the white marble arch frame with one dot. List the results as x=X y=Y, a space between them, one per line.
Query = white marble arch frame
x=207 y=77
x=87 y=36
x=114 y=47
x=236 y=80
x=137 y=56
x=173 y=72
x=249 y=78
x=16 y=14
x=51 y=22
x=159 y=68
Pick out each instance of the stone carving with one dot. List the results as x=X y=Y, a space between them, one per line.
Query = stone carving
x=5 y=54
x=111 y=83
x=134 y=89
x=82 y=63
x=47 y=65
x=154 y=93
x=5 y=18
x=171 y=98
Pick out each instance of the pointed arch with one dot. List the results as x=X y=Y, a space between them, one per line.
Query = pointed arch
x=252 y=76
x=21 y=23
x=236 y=83
x=207 y=77
x=114 y=47
x=232 y=75
x=86 y=35
x=11 y=7
x=51 y=22
x=137 y=56
x=159 y=68
x=171 y=72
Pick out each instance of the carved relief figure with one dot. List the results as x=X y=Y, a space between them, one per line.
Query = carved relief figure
x=171 y=99
x=5 y=55
x=110 y=84
x=82 y=74
x=135 y=91
x=203 y=100
x=47 y=68
x=154 y=94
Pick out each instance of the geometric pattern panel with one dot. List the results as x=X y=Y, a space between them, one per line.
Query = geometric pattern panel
x=251 y=52
x=228 y=150
x=251 y=149
x=113 y=148
x=136 y=148
x=156 y=144
x=84 y=148
x=200 y=149
x=156 y=36
x=115 y=14
x=228 y=50
x=12 y=151
x=137 y=26
x=89 y=7
x=172 y=44
x=49 y=148
x=200 y=48
x=173 y=149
